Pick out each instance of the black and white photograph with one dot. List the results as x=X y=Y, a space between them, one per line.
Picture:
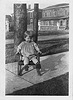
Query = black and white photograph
x=37 y=48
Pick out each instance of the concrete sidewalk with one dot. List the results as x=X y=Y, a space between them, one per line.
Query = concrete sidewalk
x=52 y=66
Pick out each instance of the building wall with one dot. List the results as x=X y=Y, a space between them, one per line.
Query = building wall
x=50 y=18
x=55 y=12
x=55 y=18
x=30 y=18
x=7 y=26
x=9 y=23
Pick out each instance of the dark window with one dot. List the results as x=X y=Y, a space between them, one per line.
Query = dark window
x=61 y=23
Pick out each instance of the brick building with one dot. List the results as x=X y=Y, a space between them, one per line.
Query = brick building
x=9 y=23
x=30 y=17
x=55 y=18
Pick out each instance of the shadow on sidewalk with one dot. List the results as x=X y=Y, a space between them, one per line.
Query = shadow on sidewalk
x=58 y=86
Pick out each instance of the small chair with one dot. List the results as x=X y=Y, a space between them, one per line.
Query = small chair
x=20 y=62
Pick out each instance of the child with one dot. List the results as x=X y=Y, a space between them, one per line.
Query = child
x=29 y=51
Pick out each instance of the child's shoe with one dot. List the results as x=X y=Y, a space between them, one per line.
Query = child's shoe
x=39 y=72
x=26 y=67
x=20 y=74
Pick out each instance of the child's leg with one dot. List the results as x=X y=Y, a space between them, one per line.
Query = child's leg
x=26 y=62
x=38 y=68
x=38 y=65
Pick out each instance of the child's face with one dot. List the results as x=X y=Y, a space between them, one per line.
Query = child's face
x=28 y=39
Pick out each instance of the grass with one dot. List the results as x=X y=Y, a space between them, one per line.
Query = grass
x=10 y=35
x=47 y=47
x=53 y=32
x=54 y=46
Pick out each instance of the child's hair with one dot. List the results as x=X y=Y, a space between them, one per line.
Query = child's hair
x=28 y=33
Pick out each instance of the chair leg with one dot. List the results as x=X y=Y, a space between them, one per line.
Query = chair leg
x=19 y=69
x=26 y=67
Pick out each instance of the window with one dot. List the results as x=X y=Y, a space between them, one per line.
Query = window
x=61 y=23
x=52 y=22
x=31 y=20
x=31 y=14
x=41 y=23
x=45 y=14
x=47 y=23
x=67 y=23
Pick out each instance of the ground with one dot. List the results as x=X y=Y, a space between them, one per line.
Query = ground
x=52 y=66
x=56 y=86
x=55 y=69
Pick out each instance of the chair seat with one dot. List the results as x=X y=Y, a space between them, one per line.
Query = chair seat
x=21 y=63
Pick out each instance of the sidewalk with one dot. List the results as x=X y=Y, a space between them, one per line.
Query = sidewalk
x=52 y=66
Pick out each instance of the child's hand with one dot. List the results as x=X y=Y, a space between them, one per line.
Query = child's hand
x=40 y=52
x=17 y=53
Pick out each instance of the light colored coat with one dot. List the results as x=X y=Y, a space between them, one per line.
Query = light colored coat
x=28 y=48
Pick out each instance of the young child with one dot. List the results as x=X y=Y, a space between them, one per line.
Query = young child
x=29 y=51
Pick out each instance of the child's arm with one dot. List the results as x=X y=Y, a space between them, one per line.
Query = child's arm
x=37 y=48
x=19 y=47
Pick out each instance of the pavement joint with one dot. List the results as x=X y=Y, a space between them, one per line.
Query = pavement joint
x=56 y=65
x=20 y=77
